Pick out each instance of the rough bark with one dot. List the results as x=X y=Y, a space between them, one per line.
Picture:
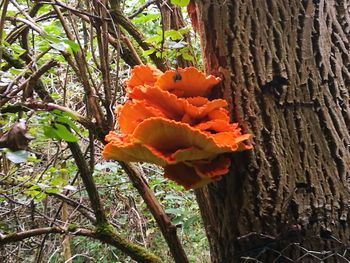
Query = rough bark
x=285 y=67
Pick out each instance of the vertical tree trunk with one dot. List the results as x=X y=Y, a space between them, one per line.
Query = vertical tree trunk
x=285 y=67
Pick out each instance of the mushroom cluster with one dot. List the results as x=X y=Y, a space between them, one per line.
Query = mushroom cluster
x=169 y=121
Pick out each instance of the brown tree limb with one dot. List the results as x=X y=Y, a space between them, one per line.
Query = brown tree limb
x=16 y=237
x=106 y=235
x=102 y=42
x=104 y=231
x=13 y=35
x=132 y=50
x=31 y=81
x=82 y=72
x=86 y=176
x=85 y=211
x=66 y=247
x=134 y=251
x=24 y=41
x=164 y=223
x=3 y=5
x=74 y=10
x=128 y=54
x=119 y=18
x=31 y=23
x=41 y=71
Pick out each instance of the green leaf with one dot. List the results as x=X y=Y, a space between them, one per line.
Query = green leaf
x=173 y=34
x=180 y=3
x=64 y=133
x=39 y=196
x=52 y=39
x=58 y=181
x=184 y=30
x=148 y=52
x=34 y=187
x=161 y=54
x=187 y=56
x=74 y=47
x=15 y=71
x=67 y=121
x=177 y=220
x=55 y=95
x=190 y=221
x=175 y=211
x=52 y=190
x=142 y=19
x=42 y=45
x=64 y=114
x=51 y=132
x=153 y=39
x=18 y=156
x=53 y=30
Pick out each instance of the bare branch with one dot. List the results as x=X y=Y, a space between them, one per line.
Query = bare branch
x=15 y=237
x=82 y=72
x=137 y=35
x=31 y=81
x=164 y=223
x=82 y=208
x=3 y=6
x=141 y=8
x=106 y=235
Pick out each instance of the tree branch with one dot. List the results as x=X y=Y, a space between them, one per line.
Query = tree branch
x=119 y=18
x=134 y=251
x=3 y=5
x=82 y=72
x=31 y=81
x=141 y=8
x=105 y=231
x=106 y=235
x=86 y=176
x=82 y=209
x=15 y=237
x=164 y=223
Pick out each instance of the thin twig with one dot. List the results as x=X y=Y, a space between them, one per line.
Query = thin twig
x=31 y=81
x=4 y=6
x=141 y=8
x=73 y=10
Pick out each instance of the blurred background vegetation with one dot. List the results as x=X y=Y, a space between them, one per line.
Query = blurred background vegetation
x=58 y=60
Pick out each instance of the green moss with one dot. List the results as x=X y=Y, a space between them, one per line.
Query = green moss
x=107 y=234
x=72 y=227
x=105 y=229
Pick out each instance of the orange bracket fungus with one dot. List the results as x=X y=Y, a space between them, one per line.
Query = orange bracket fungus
x=169 y=121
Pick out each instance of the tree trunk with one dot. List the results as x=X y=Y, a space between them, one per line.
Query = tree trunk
x=285 y=69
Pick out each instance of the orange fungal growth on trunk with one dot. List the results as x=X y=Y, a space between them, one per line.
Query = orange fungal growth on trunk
x=169 y=121
x=187 y=82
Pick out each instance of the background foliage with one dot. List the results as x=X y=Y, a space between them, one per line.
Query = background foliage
x=62 y=68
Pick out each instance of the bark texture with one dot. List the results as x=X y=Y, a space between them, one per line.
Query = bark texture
x=285 y=67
